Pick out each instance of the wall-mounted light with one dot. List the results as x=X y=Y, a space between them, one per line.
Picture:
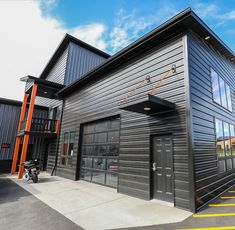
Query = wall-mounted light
x=207 y=38
x=147 y=108
x=45 y=92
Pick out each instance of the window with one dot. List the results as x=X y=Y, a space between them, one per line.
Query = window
x=221 y=91
x=215 y=86
x=67 y=148
x=224 y=145
x=100 y=147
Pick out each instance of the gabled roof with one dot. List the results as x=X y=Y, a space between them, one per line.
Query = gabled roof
x=62 y=46
x=185 y=20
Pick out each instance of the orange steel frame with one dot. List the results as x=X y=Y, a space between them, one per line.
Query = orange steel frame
x=26 y=136
x=17 y=144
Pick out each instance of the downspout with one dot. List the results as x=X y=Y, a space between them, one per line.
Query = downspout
x=58 y=140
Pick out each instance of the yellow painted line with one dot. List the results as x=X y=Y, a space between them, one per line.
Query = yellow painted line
x=231 y=191
x=227 y=197
x=213 y=228
x=213 y=215
x=221 y=205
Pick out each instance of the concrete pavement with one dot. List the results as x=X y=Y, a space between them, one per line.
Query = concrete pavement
x=20 y=210
x=96 y=207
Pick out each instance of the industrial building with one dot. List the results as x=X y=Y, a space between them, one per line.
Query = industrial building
x=155 y=120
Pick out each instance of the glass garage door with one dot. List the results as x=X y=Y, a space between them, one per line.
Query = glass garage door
x=100 y=149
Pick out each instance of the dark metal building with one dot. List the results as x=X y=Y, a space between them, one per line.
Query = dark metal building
x=156 y=120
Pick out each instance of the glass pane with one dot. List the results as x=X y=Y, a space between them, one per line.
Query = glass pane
x=229 y=100
x=89 y=128
x=112 y=179
x=99 y=163
x=87 y=162
x=98 y=177
x=222 y=167
x=227 y=139
x=219 y=138
x=71 y=143
x=232 y=139
x=112 y=165
x=100 y=137
x=88 y=150
x=223 y=93
x=88 y=138
x=85 y=174
x=101 y=126
x=63 y=160
x=215 y=86
x=229 y=164
x=114 y=124
x=100 y=150
x=112 y=150
x=70 y=161
x=65 y=143
x=113 y=136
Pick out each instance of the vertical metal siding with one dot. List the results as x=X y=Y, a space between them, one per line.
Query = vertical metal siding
x=100 y=99
x=9 y=117
x=201 y=58
x=80 y=61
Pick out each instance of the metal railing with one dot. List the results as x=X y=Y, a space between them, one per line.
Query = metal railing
x=42 y=125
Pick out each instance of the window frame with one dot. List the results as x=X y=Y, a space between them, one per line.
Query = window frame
x=226 y=86
x=66 y=156
x=226 y=156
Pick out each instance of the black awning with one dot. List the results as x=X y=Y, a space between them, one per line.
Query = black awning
x=150 y=105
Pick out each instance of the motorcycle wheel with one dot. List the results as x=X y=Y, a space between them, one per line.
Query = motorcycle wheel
x=35 y=178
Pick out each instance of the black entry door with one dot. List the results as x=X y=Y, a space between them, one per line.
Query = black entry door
x=162 y=168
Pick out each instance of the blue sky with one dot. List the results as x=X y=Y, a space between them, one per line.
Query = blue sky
x=33 y=29
x=130 y=19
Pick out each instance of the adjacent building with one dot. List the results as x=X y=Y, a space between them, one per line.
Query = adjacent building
x=155 y=120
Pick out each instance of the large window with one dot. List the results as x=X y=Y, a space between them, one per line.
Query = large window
x=67 y=148
x=100 y=150
x=225 y=145
x=221 y=91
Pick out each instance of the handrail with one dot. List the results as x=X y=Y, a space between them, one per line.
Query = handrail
x=41 y=125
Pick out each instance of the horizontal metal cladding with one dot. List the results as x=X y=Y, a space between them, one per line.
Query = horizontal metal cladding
x=204 y=110
x=101 y=99
x=57 y=73
x=79 y=62
x=9 y=117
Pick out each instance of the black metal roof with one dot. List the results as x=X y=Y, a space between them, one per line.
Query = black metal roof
x=184 y=21
x=62 y=46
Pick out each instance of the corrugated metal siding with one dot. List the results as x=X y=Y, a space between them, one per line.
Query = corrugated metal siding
x=100 y=99
x=80 y=61
x=9 y=117
x=204 y=110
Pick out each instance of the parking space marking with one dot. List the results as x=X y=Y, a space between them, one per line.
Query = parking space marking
x=231 y=191
x=221 y=205
x=227 y=197
x=213 y=215
x=211 y=228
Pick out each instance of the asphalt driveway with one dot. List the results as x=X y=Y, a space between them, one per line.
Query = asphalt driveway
x=21 y=210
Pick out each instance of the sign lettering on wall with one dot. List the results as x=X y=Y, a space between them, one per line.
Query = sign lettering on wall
x=5 y=146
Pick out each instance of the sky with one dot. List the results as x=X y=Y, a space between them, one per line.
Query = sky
x=32 y=30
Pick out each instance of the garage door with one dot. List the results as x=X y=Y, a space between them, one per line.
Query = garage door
x=100 y=150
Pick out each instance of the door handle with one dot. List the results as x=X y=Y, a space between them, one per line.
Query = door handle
x=154 y=166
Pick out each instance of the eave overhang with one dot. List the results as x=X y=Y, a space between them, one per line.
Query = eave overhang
x=47 y=89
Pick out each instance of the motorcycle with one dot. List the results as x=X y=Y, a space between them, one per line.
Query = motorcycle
x=32 y=170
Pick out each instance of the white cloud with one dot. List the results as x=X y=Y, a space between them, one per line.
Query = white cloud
x=129 y=26
x=28 y=39
x=206 y=10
